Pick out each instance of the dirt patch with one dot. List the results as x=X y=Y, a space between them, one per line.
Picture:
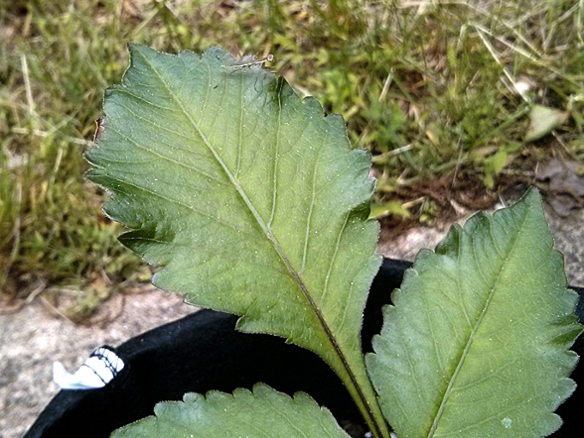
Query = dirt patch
x=32 y=339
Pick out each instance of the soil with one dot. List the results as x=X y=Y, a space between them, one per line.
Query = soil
x=32 y=339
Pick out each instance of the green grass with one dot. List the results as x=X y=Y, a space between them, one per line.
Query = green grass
x=430 y=91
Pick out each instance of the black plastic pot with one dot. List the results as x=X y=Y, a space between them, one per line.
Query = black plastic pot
x=202 y=352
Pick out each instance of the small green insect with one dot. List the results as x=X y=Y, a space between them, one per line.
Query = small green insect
x=249 y=60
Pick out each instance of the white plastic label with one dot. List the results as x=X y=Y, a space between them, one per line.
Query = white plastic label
x=97 y=371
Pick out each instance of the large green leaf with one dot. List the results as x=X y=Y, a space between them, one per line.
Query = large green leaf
x=477 y=343
x=250 y=199
x=261 y=413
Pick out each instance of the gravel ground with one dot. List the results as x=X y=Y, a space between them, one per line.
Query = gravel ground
x=32 y=339
x=568 y=235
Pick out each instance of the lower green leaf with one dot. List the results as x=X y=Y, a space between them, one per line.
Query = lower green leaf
x=264 y=412
x=477 y=341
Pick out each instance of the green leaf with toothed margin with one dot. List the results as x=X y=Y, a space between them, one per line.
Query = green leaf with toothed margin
x=263 y=412
x=248 y=197
x=476 y=342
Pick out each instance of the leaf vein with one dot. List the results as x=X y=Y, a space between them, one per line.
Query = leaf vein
x=145 y=101
x=171 y=160
x=309 y=216
x=179 y=203
x=333 y=259
x=276 y=158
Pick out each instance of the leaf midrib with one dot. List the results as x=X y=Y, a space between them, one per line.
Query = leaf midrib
x=475 y=329
x=274 y=242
